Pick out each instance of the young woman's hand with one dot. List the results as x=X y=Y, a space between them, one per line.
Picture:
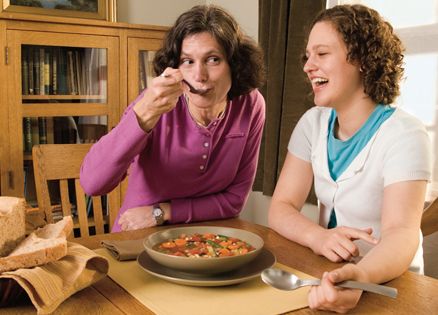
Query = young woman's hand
x=337 y=244
x=329 y=297
x=160 y=97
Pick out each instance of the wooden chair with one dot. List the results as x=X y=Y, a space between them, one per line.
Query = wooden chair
x=429 y=220
x=61 y=163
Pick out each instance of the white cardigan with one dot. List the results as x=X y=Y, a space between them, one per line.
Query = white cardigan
x=398 y=151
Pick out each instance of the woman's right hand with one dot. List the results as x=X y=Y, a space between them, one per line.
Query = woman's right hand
x=337 y=244
x=160 y=97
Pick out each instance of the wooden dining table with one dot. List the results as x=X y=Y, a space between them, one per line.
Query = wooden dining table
x=417 y=294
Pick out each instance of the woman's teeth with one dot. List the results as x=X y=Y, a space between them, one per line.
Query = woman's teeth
x=319 y=81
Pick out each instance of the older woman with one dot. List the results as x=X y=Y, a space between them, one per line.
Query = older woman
x=191 y=139
x=370 y=161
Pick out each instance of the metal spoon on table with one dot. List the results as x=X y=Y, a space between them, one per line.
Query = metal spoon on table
x=284 y=280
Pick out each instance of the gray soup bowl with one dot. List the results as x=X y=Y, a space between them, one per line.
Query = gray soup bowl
x=202 y=265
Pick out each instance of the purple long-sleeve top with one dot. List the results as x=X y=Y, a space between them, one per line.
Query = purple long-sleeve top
x=205 y=173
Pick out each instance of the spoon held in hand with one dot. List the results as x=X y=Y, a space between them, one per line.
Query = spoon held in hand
x=284 y=280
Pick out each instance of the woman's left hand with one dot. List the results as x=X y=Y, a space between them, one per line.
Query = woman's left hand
x=329 y=297
x=137 y=218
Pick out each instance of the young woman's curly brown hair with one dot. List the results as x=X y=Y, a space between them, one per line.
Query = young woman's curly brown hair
x=372 y=44
x=243 y=54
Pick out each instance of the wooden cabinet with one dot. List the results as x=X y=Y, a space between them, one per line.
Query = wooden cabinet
x=64 y=81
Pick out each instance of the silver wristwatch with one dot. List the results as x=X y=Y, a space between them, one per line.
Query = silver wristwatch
x=158 y=214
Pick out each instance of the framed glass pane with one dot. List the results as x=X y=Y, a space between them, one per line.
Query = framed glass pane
x=63 y=74
x=146 y=72
x=62 y=130
x=56 y=130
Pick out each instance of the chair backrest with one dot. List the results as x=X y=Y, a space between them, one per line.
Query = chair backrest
x=429 y=220
x=61 y=163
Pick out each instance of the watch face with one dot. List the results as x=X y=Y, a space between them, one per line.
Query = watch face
x=157 y=212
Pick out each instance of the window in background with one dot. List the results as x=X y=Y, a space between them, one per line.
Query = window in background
x=416 y=23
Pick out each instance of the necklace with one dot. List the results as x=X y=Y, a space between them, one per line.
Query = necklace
x=203 y=123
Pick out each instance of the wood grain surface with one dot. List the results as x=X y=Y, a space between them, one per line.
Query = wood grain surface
x=417 y=294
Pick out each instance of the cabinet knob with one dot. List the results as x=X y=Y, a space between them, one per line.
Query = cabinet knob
x=11 y=180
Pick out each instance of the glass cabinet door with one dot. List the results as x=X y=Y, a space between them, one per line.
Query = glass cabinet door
x=141 y=53
x=62 y=93
x=63 y=74
x=146 y=68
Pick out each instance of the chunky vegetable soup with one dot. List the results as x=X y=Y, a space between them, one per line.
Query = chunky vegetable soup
x=204 y=245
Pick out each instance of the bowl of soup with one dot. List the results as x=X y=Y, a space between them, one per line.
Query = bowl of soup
x=203 y=249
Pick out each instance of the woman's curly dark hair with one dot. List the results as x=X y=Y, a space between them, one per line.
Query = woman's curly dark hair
x=243 y=54
x=370 y=42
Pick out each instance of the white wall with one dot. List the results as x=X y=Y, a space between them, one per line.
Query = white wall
x=246 y=13
x=257 y=206
x=162 y=12
x=165 y=12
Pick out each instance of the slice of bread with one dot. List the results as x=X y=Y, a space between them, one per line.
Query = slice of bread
x=12 y=223
x=44 y=245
